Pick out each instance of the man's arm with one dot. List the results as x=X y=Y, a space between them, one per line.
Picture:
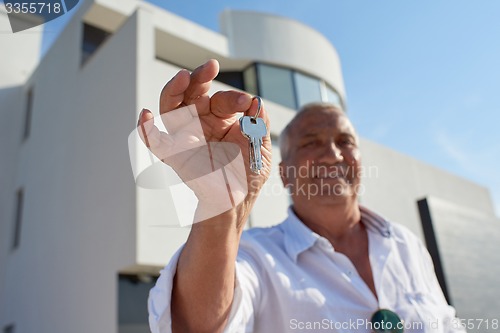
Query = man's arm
x=204 y=282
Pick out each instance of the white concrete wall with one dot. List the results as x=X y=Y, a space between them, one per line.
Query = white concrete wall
x=11 y=130
x=79 y=217
x=18 y=57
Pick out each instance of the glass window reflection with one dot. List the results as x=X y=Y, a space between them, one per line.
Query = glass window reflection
x=332 y=96
x=288 y=87
x=308 y=89
x=276 y=84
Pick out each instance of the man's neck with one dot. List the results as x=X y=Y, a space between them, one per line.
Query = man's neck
x=340 y=224
x=335 y=222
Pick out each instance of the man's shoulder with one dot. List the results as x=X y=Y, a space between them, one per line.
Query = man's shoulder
x=402 y=230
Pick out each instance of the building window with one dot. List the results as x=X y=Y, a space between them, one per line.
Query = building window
x=276 y=84
x=133 y=291
x=250 y=80
x=28 y=113
x=332 y=97
x=288 y=87
x=16 y=237
x=308 y=89
x=9 y=329
x=234 y=79
x=93 y=37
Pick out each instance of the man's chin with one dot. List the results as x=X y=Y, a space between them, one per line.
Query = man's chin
x=334 y=198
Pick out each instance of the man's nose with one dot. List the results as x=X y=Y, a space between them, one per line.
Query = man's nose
x=332 y=153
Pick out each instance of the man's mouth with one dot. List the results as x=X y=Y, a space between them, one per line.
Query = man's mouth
x=335 y=173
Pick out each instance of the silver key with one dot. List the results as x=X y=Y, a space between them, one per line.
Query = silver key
x=254 y=129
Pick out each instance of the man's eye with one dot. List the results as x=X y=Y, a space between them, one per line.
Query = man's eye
x=308 y=143
x=346 y=142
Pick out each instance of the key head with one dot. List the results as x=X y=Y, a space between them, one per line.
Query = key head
x=253 y=128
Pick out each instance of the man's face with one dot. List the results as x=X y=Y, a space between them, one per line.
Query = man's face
x=323 y=161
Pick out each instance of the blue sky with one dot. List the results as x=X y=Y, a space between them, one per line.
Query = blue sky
x=422 y=77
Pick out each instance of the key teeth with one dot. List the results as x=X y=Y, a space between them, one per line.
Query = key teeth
x=256 y=171
x=256 y=168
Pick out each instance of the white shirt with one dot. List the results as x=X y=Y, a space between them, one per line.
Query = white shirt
x=290 y=279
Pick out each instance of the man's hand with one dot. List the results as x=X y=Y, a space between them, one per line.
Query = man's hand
x=204 y=138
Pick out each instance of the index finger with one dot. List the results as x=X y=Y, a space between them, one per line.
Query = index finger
x=224 y=104
x=172 y=94
x=185 y=88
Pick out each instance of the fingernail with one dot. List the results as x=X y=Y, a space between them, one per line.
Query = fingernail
x=140 y=116
x=242 y=99
x=179 y=73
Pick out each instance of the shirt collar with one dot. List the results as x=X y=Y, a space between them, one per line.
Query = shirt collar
x=299 y=238
x=375 y=222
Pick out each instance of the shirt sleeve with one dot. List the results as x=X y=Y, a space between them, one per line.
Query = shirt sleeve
x=242 y=314
x=246 y=296
x=160 y=296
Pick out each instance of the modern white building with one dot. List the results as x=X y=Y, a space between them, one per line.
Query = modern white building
x=81 y=243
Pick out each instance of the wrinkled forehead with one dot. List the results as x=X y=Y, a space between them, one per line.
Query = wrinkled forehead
x=319 y=119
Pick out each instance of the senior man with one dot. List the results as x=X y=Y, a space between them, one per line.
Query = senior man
x=332 y=265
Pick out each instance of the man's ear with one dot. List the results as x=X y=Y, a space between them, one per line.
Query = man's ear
x=283 y=175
